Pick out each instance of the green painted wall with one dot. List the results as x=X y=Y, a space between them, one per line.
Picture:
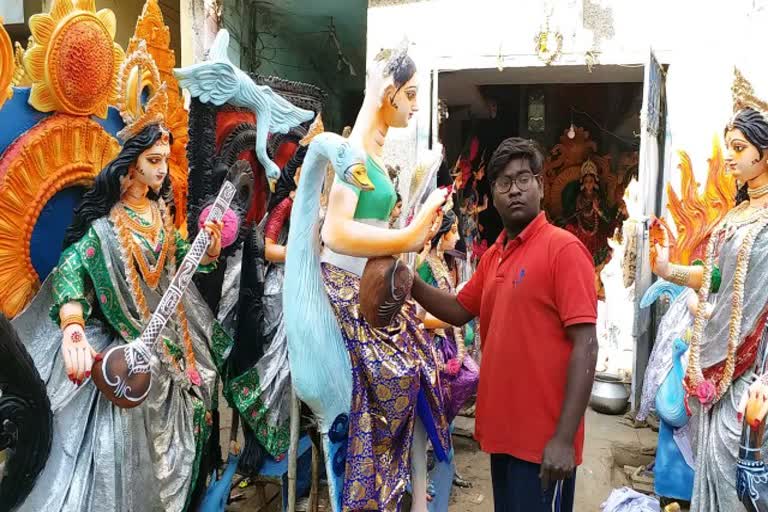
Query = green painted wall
x=292 y=39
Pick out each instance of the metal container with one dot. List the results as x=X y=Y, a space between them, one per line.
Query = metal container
x=609 y=394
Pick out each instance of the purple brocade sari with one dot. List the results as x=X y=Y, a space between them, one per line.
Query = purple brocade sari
x=394 y=377
x=459 y=388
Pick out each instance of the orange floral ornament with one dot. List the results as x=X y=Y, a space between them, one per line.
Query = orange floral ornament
x=73 y=59
x=7 y=65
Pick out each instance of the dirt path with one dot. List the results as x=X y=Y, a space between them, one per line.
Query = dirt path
x=595 y=480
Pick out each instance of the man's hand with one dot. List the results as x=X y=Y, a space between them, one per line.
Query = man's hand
x=558 y=462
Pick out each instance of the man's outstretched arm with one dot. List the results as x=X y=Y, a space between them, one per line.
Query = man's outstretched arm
x=439 y=303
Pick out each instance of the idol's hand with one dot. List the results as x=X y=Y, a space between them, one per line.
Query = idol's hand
x=660 y=251
x=662 y=267
x=754 y=403
x=424 y=253
x=77 y=353
x=213 y=228
x=435 y=201
x=425 y=233
x=693 y=306
x=427 y=222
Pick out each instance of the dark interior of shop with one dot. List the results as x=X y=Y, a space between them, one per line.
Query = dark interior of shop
x=602 y=108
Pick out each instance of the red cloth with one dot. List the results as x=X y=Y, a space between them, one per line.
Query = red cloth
x=276 y=219
x=526 y=295
x=745 y=356
x=226 y=121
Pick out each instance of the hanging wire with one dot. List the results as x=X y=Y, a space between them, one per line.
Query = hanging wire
x=632 y=143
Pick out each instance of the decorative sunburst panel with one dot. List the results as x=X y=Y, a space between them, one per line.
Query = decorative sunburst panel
x=59 y=152
x=73 y=59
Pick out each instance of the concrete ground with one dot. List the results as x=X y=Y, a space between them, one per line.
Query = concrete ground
x=595 y=479
x=607 y=439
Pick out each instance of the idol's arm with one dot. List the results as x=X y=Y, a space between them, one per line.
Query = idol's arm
x=68 y=282
x=690 y=276
x=344 y=235
x=273 y=251
x=70 y=310
x=211 y=256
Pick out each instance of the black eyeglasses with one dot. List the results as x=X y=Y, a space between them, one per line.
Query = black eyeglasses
x=522 y=180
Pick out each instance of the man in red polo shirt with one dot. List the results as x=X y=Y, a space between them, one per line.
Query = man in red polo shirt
x=534 y=291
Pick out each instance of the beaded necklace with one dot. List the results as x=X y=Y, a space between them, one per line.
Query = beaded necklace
x=128 y=226
x=736 y=218
x=132 y=253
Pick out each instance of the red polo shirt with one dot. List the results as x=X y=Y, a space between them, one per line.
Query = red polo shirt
x=526 y=294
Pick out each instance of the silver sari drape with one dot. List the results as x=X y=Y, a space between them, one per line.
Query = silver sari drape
x=104 y=458
x=273 y=368
x=717 y=431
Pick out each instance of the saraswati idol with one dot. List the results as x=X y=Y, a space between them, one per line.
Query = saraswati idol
x=726 y=373
x=374 y=389
x=120 y=256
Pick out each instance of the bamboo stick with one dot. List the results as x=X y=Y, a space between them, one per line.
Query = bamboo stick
x=293 y=451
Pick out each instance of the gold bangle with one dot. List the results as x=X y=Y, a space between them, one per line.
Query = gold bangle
x=679 y=275
x=72 y=319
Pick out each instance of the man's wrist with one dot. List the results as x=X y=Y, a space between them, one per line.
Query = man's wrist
x=563 y=437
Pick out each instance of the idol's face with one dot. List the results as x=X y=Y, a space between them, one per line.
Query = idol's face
x=400 y=105
x=396 y=211
x=448 y=242
x=588 y=183
x=151 y=167
x=742 y=157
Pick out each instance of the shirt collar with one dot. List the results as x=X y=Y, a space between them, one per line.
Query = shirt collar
x=526 y=234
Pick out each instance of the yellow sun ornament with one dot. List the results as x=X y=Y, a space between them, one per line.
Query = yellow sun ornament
x=73 y=60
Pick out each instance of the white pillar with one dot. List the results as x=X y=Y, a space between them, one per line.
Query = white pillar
x=199 y=25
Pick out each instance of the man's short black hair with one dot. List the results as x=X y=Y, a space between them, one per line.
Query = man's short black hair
x=512 y=149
